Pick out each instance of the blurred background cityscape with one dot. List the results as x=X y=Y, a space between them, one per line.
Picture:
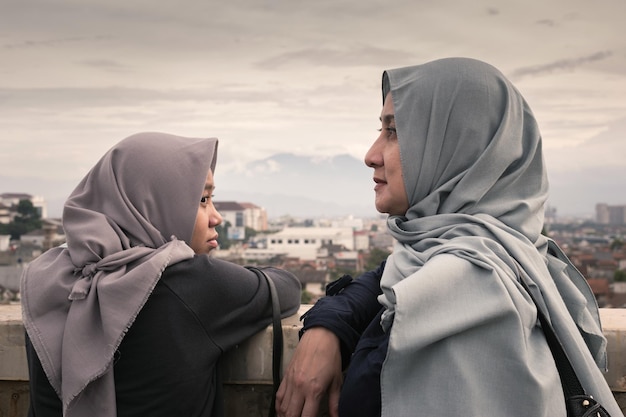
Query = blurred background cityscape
x=320 y=249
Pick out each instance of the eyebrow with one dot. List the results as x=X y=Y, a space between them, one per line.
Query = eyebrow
x=388 y=118
x=209 y=187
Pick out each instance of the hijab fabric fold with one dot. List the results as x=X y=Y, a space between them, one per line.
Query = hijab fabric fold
x=126 y=222
x=476 y=183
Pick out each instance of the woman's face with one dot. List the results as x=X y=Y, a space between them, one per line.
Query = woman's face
x=204 y=237
x=384 y=157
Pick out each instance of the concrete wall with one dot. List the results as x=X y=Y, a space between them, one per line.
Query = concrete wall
x=247 y=368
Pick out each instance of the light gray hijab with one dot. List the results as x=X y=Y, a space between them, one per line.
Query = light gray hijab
x=475 y=178
x=123 y=223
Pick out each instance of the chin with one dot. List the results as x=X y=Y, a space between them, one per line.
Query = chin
x=382 y=209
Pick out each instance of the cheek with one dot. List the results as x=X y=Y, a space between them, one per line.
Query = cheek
x=395 y=172
x=199 y=220
x=393 y=164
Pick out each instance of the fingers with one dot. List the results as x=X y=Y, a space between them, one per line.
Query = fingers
x=289 y=402
x=333 y=400
x=314 y=371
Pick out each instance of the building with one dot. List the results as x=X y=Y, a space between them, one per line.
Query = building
x=5 y=242
x=305 y=242
x=240 y=216
x=5 y=214
x=361 y=240
x=10 y=201
x=613 y=215
x=313 y=281
x=254 y=217
x=50 y=235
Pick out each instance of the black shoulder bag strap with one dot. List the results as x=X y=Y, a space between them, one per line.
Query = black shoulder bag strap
x=277 y=330
x=577 y=402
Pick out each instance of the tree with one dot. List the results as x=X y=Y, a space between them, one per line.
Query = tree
x=249 y=233
x=26 y=220
x=222 y=238
x=619 y=276
x=617 y=244
x=306 y=297
x=375 y=257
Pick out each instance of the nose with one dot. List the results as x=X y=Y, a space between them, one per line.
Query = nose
x=215 y=218
x=374 y=156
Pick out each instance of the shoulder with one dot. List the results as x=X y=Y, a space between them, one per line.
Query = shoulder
x=446 y=274
x=203 y=264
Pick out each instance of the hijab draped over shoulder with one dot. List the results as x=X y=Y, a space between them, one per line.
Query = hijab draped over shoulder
x=475 y=179
x=126 y=221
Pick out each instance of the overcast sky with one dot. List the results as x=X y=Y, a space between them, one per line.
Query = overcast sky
x=265 y=77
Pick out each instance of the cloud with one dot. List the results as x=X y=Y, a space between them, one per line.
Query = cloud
x=266 y=166
x=54 y=43
x=348 y=57
x=105 y=64
x=546 y=22
x=52 y=99
x=560 y=65
x=492 y=11
x=602 y=151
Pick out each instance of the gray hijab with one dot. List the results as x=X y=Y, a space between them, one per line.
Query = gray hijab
x=474 y=175
x=123 y=223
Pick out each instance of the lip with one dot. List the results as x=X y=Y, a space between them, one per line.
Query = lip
x=380 y=183
x=213 y=241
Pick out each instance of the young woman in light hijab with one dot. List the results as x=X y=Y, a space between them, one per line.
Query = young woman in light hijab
x=131 y=317
x=444 y=327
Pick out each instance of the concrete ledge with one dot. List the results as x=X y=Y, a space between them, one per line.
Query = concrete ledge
x=247 y=369
x=614 y=329
x=13 y=365
x=251 y=361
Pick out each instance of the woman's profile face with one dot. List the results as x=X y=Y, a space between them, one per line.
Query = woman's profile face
x=384 y=157
x=204 y=237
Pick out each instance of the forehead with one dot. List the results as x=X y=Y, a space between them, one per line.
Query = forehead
x=209 y=178
x=388 y=109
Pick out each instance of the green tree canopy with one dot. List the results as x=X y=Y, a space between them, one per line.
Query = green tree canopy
x=375 y=257
x=617 y=244
x=26 y=220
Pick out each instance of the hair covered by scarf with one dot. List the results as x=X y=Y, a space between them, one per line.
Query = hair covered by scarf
x=476 y=183
x=126 y=221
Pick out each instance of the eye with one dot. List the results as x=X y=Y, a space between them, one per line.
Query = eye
x=389 y=130
x=205 y=199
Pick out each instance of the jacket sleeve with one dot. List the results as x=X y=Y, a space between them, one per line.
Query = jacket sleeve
x=349 y=311
x=230 y=301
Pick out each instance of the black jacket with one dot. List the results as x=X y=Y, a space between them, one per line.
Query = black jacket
x=167 y=363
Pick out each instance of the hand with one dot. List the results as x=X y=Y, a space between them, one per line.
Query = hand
x=314 y=370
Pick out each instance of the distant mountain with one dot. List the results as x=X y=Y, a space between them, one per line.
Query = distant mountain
x=302 y=186
x=306 y=186
x=283 y=184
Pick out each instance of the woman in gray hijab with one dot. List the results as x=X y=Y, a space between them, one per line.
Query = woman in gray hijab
x=444 y=326
x=131 y=316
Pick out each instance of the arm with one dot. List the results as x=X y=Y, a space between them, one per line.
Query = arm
x=230 y=301
x=349 y=312
x=331 y=327
x=314 y=370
